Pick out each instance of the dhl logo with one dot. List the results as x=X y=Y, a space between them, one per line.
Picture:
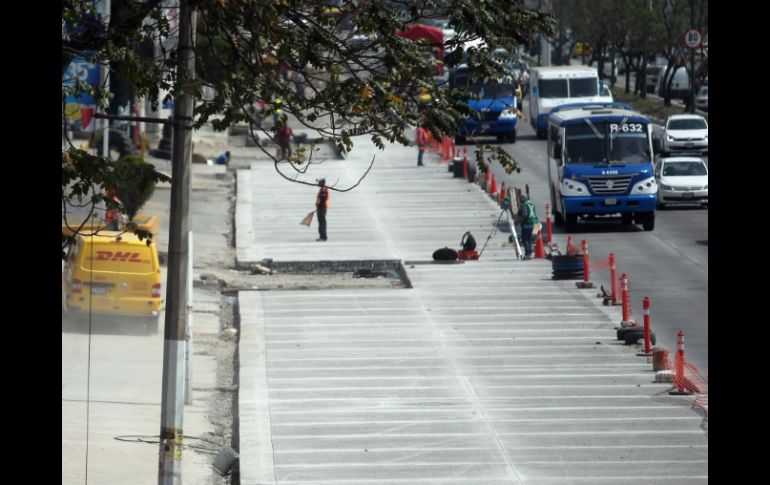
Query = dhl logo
x=118 y=256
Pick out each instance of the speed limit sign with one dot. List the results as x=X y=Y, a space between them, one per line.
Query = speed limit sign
x=692 y=39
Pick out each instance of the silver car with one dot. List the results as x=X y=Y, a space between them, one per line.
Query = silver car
x=682 y=180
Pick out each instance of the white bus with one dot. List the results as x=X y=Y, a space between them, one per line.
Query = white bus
x=553 y=86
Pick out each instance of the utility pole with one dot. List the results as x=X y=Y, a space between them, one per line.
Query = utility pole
x=545 y=46
x=172 y=405
x=692 y=60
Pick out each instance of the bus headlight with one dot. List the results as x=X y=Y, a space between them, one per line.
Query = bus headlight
x=507 y=114
x=646 y=186
x=571 y=187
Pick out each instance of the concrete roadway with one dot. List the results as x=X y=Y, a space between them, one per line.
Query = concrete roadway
x=484 y=372
x=669 y=264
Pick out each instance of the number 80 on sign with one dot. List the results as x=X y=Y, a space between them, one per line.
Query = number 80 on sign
x=693 y=39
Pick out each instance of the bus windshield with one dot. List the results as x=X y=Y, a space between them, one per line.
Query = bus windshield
x=606 y=142
x=553 y=88
x=580 y=87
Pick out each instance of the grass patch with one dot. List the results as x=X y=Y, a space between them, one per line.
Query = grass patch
x=649 y=106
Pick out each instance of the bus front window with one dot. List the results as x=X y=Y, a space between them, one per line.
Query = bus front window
x=553 y=88
x=581 y=87
x=600 y=143
x=586 y=145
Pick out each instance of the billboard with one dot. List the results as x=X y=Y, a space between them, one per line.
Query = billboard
x=78 y=108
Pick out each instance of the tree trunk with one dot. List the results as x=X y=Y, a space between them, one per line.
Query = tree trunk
x=642 y=76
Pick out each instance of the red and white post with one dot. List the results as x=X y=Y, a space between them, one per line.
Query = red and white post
x=625 y=297
x=679 y=365
x=548 y=229
x=586 y=283
x=646 y=307
x=613 y=279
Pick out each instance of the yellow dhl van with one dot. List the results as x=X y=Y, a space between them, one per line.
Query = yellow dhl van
x=113 y=273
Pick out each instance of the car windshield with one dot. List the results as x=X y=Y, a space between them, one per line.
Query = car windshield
x=487 y=91
x=687 y=124
x=681 y=169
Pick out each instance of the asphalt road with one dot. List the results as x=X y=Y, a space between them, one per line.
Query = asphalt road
x=669 y=265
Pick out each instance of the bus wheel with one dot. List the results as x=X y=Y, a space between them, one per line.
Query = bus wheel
x=556 y=214
x=512 y=136
x=570 y=222
x=648 y=220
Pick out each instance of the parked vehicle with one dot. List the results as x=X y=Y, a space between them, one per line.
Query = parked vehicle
x=600 y=164
x=680 y=85
x=652 y=77
x=685 y=133
x=702 y=99
x=582 y=48
x=682 y=180
x=113 y=273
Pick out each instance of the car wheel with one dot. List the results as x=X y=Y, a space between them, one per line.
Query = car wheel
x=512 y=136
x=626 y=218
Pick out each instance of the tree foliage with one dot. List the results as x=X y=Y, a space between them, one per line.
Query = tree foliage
x=135 y=183
x=339 y=68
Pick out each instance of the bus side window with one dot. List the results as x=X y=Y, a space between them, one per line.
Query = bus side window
x=555 y=139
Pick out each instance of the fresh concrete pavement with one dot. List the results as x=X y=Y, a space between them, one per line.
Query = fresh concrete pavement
x=483 y=372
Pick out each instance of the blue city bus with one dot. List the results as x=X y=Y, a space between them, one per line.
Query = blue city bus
x=600 y=164
x=495 y=103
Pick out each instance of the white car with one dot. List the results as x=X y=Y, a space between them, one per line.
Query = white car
x=685 y=133
x=682 y=180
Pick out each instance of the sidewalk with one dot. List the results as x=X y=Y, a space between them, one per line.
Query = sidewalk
x=483 y=372
x=123 y=361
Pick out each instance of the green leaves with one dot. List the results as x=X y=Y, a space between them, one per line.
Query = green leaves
x=314 y=57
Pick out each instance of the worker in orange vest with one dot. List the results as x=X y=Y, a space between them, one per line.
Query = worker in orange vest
x=111 y=216
x=321 y=204
x=422 y=142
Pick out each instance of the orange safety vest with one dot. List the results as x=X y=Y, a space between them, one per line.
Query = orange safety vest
x=325 y=190
x=422 y=138
x=110 y=215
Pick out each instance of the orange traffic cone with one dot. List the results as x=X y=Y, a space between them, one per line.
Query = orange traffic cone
x=465 y=164
x=493 y=190
x=486 y=180
x=572 y=250
x=445 y=147
x=539 y=249
x=502 y=194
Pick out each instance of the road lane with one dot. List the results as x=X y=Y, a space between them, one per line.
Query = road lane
x=669 y=264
